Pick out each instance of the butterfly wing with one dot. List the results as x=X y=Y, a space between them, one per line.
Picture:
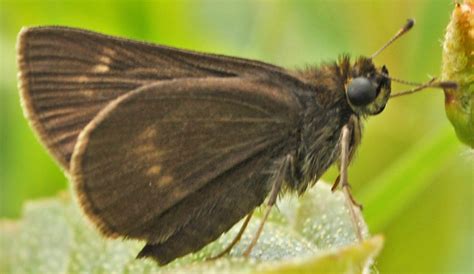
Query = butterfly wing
x=179 y=162
x=68 y=75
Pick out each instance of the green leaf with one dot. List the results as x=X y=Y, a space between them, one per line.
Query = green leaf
x=309 y=234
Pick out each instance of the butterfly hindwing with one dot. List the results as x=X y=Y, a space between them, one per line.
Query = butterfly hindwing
x=182 y=159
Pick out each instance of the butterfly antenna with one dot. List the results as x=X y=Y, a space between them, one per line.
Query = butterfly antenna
x=400 y=81
x=433 y=83
x=409 y=24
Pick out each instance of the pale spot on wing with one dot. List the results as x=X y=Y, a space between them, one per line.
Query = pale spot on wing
x=144 y=148
x=147 y=134
x=88 y=92
x=146 y=153
x=100 y=68
x=82 y=78
x=145 y=139
x=109 y=51
x=154 y=170
x=105 y=60
x=164 y=181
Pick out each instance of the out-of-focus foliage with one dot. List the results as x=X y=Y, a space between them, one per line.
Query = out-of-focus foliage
x=458 y=65
x=429 y=219
x=314 y=234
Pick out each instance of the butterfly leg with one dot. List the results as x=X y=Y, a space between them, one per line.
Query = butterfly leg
x=276 y=187
x=353 y=200
x=351 y=203
x=336 y=183
x=236 y=239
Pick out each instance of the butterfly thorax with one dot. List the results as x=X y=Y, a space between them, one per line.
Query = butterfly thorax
x=327 y=110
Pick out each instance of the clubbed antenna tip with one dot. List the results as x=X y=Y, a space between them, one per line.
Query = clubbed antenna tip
x=408 y=25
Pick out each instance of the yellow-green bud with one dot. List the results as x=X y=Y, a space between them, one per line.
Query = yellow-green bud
x=458 y=65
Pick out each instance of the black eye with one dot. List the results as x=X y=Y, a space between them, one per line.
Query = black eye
x=361 y=92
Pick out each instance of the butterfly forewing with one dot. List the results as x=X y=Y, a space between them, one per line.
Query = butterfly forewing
x=68 y=75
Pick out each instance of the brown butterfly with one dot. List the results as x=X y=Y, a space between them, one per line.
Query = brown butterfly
x=174 y=147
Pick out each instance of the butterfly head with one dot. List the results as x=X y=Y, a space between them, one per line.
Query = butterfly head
x=367 y=88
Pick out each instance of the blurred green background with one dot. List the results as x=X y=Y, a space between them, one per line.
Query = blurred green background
x=413 y=176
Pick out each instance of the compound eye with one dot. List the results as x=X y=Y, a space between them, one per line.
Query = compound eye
x=361 y=92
